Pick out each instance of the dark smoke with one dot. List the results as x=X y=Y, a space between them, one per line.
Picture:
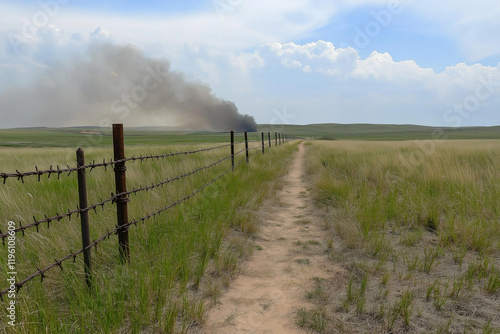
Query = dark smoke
x=119 y=84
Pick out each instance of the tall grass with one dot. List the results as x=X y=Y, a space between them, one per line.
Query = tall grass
x=425 y=217
x=179 y=260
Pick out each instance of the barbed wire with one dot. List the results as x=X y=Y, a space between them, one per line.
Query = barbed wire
x=59 y=171
x=58 y=217
x=166 y=155
x=116 y=230
x=146 y=188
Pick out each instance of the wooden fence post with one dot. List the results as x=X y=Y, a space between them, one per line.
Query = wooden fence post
x=279 y=138
x=84 y=216
x=246 y=146
x=269 y=136
x=232 y=150
x=121 y=187
x=275 y=139
x=262 y=133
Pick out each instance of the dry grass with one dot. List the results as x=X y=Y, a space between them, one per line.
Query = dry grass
x=419 y=234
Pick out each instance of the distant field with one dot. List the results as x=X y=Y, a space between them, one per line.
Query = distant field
x=382 y=131
x=82 y=137
x=91 y=136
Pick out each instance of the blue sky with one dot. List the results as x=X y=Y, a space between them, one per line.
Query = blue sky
x=314 y=61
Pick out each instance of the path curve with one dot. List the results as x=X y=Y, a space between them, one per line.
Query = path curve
x=265 y=297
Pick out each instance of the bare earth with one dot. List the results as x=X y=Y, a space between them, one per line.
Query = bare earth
x=266 y=296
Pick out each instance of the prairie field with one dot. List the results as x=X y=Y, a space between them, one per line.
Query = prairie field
x=416 y=228
x=181 y=260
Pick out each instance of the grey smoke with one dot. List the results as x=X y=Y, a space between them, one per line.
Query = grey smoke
x=119 y=84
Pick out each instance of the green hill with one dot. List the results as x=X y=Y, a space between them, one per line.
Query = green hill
x=382 y=131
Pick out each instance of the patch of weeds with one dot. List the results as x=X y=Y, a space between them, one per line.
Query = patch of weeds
x=379 y=245
x=329 y=245
x=459 y=255
x=440 y=299
x=430 y=289
x=302 y=261
x=430 y=257
x=458 y=284
x=302 y=222
x=403 y=308
x=431 y=224
x=446 y=328
x=493 y=284
x=314 y=319
x=478 y=269
x=385 y=279
x=258 y=247
x=411 y=238
x=410 y=263
x=314 y=242
x=302 y=244
x=318 y=293
x=488 y=329
x=356 y=294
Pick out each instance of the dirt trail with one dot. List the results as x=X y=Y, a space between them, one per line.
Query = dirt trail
x=265 y=297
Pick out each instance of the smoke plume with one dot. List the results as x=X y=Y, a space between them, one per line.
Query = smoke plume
x=119 y=84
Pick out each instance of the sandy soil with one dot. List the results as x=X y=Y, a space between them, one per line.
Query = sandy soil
x=265 y=297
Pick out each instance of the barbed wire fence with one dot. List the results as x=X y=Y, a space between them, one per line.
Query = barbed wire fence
x=121 y=196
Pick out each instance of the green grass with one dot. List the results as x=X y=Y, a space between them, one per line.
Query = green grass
x=427 y=229
x=381 y=131
x=102 y=137
x=180 y=260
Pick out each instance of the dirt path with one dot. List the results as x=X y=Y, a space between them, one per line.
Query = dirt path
x=265 y=297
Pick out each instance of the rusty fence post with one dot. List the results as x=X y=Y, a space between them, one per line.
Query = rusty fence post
x=263 y=145
x=121 y=187
x=232 y=150
x=269 y=137
x=84 y=216
x=246 y=147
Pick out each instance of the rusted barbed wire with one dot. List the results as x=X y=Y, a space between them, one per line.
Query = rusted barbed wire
x=166 y=155
x=58 y=217
x=59 y=171
x=58 y=263
x=112 y=199
x=116 y=230
x=179 y=177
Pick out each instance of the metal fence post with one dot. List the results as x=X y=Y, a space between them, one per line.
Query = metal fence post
x=232 y=150
x=262 y=133
x=275 y=139
x=121 y=187
x=84 y=216
x=246 y=146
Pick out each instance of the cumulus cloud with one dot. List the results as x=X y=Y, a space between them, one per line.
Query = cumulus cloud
x=379 y=89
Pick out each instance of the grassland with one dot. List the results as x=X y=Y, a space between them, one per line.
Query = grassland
x=382 y=132
x=417 y=234
x=180 y=260
x=101 y=137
